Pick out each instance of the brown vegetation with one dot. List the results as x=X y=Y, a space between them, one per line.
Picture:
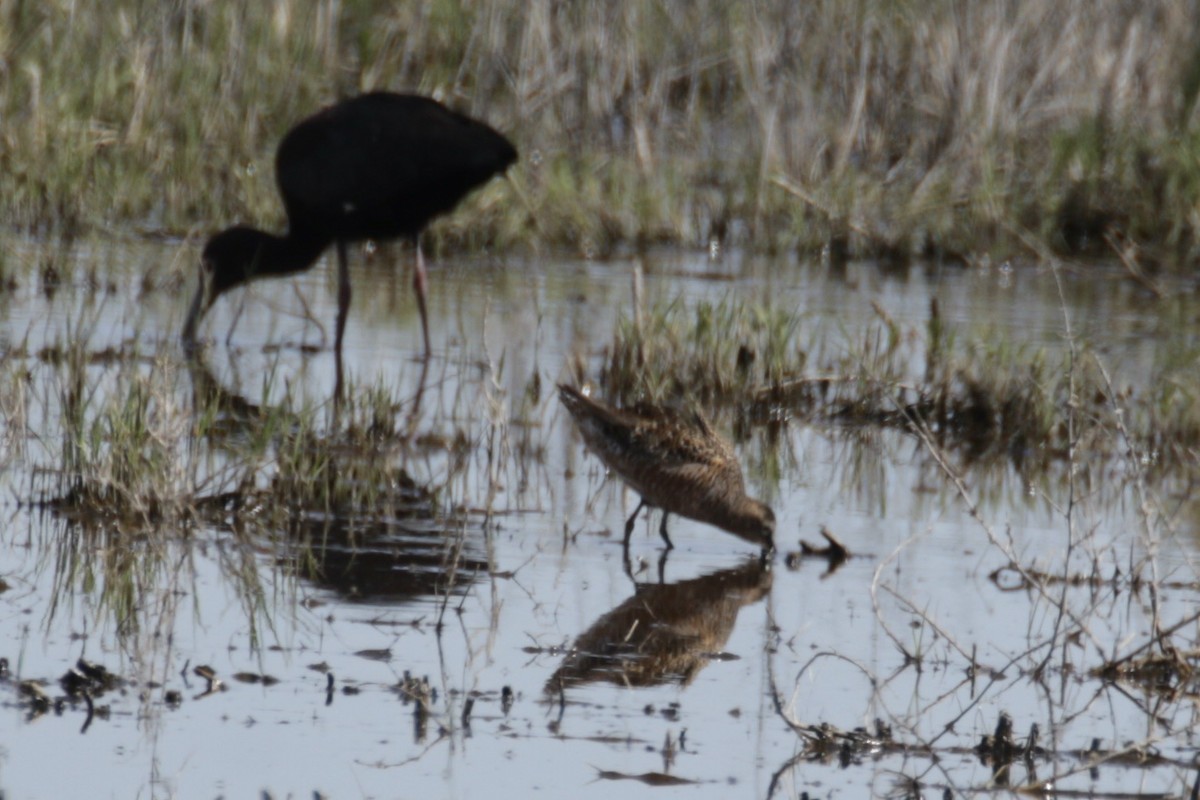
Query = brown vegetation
x=879 y=128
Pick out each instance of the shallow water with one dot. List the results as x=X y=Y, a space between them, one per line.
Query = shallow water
x=546 y=566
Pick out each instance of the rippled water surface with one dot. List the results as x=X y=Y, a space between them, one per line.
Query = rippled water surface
x=714 y=662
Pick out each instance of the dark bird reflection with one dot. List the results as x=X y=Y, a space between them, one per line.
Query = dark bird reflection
x=665 y=633
x=384 y=562
x=232 y=413
x=370 y=533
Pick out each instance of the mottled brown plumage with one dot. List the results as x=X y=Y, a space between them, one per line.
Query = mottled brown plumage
x=676 y=462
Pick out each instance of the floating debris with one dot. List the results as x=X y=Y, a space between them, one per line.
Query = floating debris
x=209 y=674
x=648 y=778
x=254 y=677
x=834 y=553
x=35 y=695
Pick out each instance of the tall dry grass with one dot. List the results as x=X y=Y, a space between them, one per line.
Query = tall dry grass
x=882 y=126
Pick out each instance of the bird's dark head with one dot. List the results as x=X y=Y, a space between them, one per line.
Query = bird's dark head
x=756 y=523
x=230 y=258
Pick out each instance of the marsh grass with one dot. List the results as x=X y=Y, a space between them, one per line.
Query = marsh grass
x=1096 y=606
x=976 y=391
x=716 y=352
x=880 y=128
x=354 y=471
x=149 y=451
x=157 y=464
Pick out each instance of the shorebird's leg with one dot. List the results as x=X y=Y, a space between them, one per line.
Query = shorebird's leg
x=662 y=566
x=632 y=519
x=662 y=531
x=419 y=282
x=343 y=312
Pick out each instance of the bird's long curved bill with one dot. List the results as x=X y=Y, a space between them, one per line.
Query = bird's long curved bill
x=200 y=304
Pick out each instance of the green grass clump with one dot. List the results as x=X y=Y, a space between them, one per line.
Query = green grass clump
x=973 y=392
x=352 y=471
x=715 y=353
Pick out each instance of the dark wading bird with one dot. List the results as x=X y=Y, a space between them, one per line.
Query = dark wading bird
x=676 y=462
x=376 y=166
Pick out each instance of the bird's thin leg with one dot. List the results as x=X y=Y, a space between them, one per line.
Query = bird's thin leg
x=414 y=414
x=343 y=292
x=343 y=311
x=419 y=282
x=200 y=304
x=632 y=519
x=627 y=563
x=237 y=316
x=662 y=531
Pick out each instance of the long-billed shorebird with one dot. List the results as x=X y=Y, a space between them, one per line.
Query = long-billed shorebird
x=676 y=462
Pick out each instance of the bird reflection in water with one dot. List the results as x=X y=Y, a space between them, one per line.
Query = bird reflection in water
x=385 y=562
x=393 y=549
x=665 y=633
x=231 y=411
x=228 y=413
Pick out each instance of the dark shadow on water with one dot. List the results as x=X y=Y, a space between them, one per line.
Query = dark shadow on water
x=384 y=562
x=664 y=633
x=367 y=531
x=233 y=412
